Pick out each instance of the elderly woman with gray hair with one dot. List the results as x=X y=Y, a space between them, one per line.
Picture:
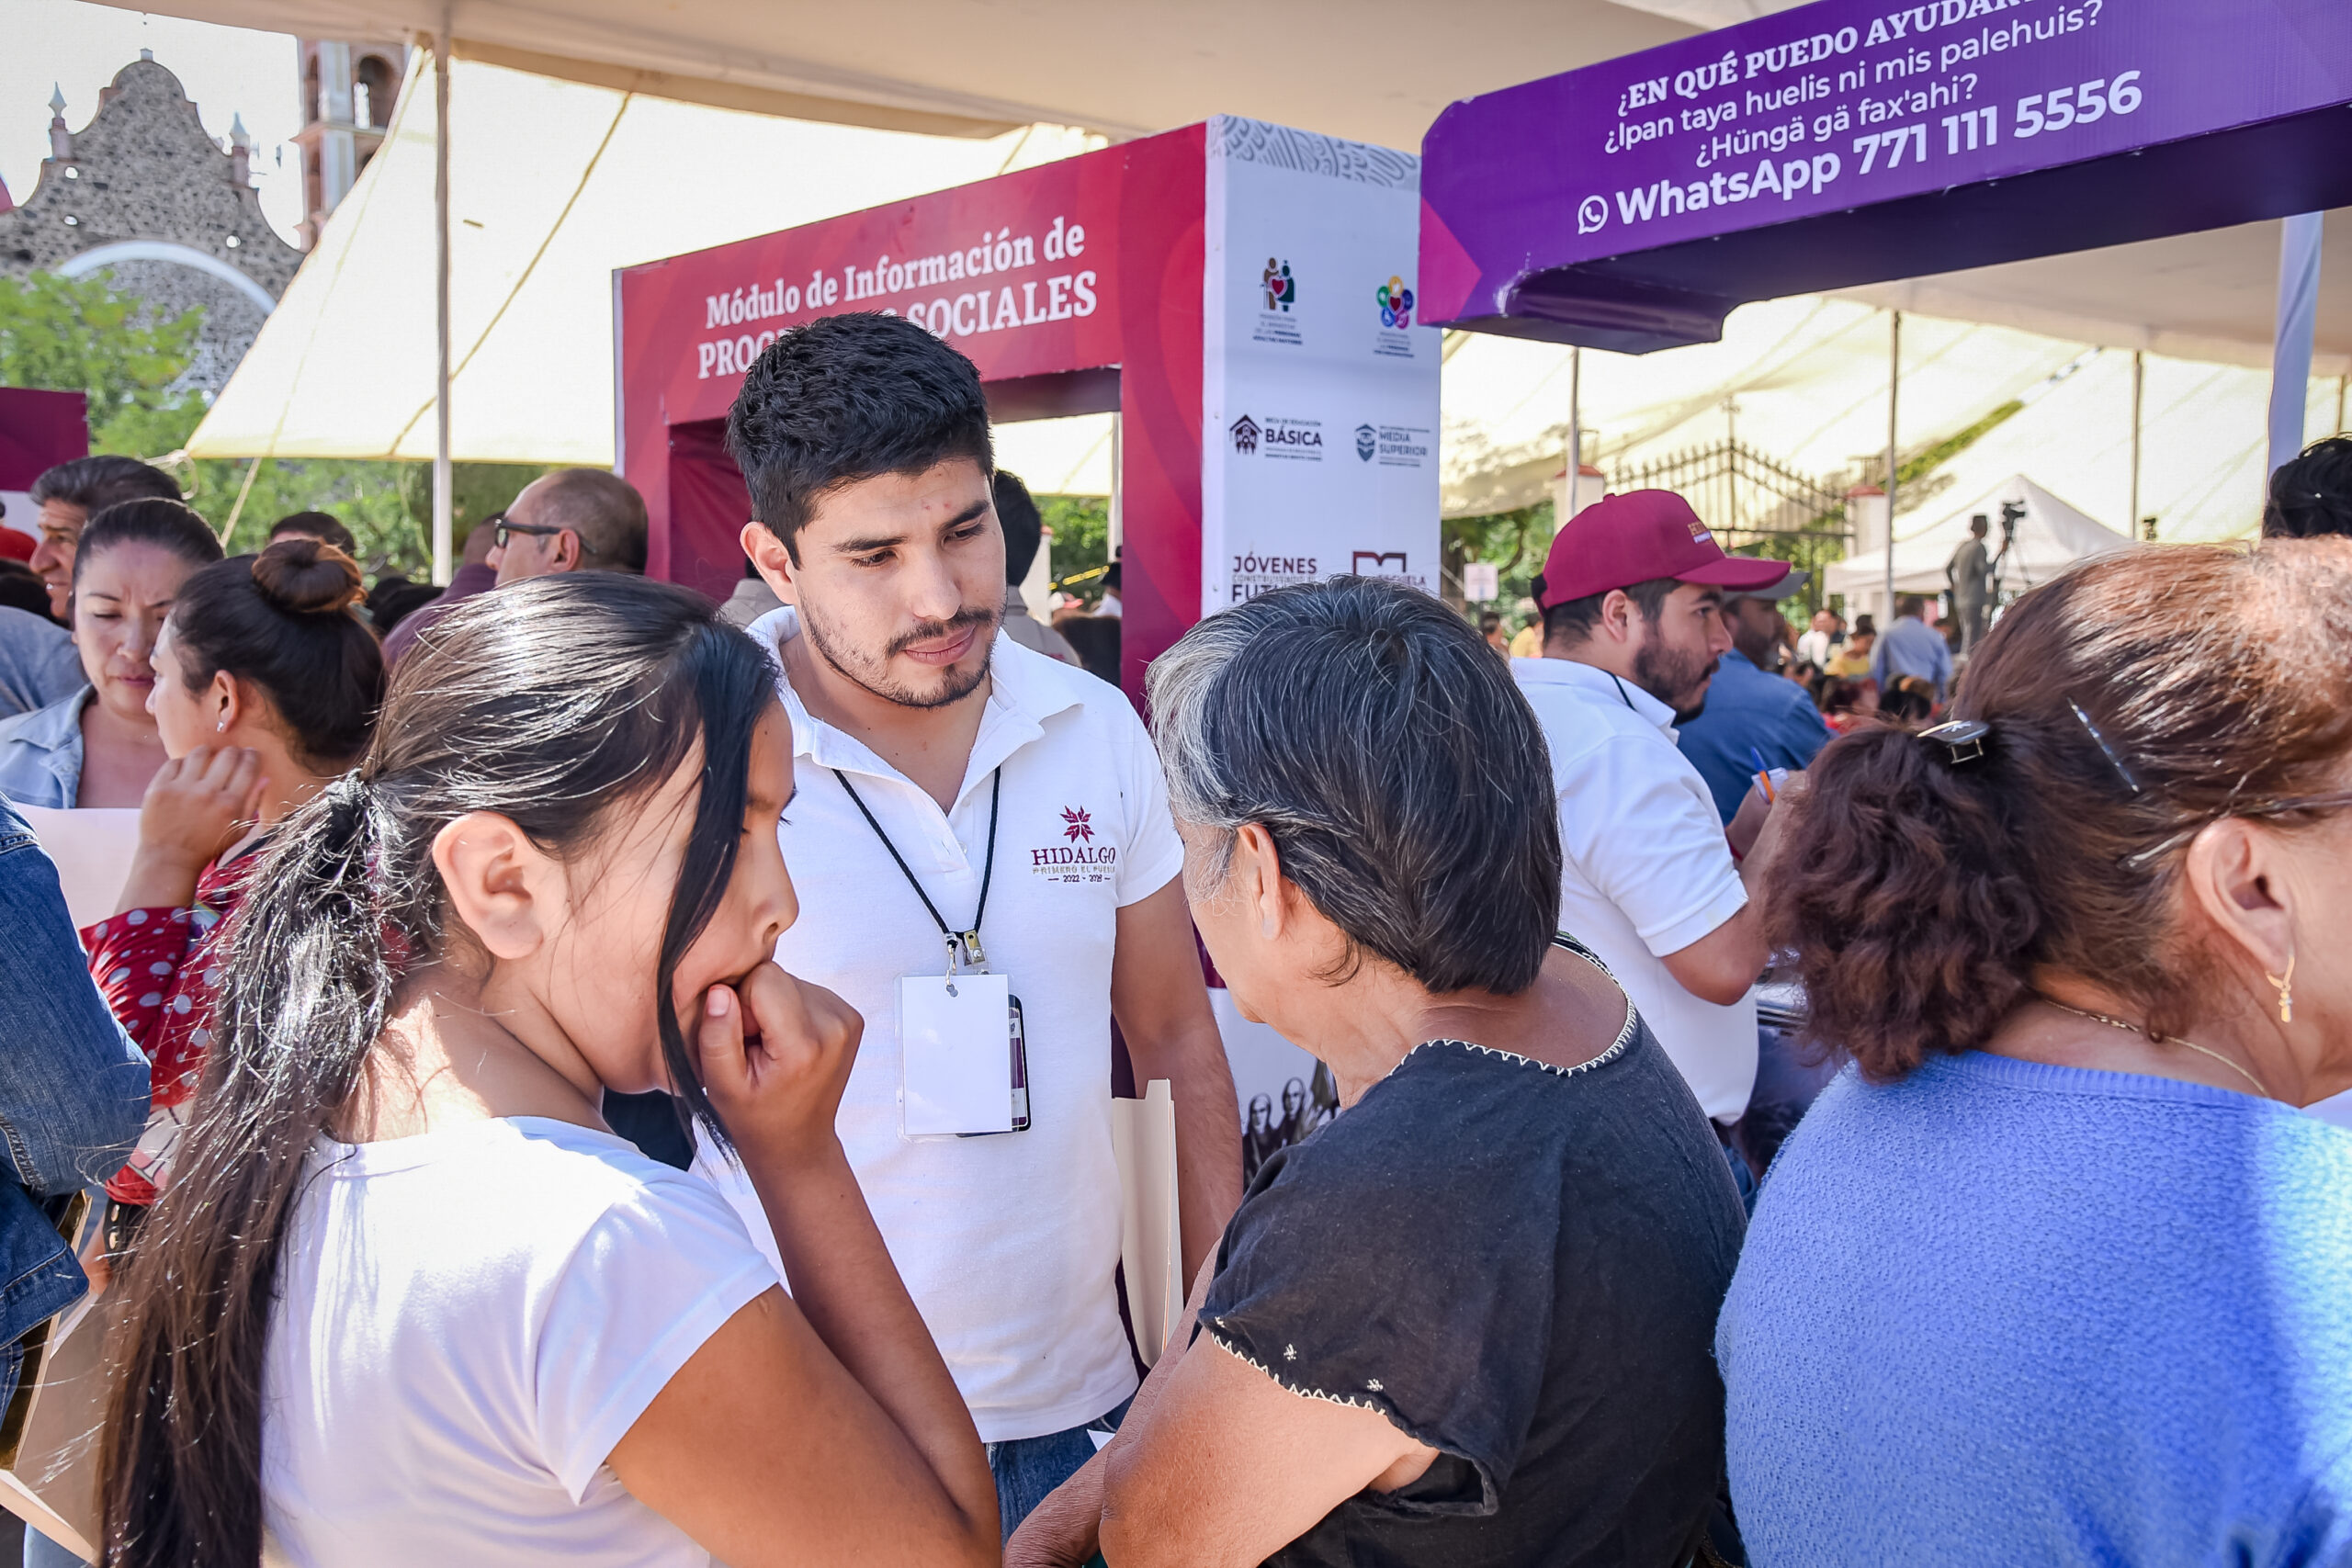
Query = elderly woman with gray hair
x=1468 y=1321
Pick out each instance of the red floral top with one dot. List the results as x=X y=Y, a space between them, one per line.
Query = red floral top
x=156 y=968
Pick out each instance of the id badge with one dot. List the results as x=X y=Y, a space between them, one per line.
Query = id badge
x=956 y=1078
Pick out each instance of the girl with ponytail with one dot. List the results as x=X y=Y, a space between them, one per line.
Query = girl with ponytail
x=405 y=1299
x=2057 y=1271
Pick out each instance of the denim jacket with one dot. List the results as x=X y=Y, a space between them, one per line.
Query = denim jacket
x=38 y=663
x=40 y=753
x=73 y=1087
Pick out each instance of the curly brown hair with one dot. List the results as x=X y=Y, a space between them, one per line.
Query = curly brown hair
x=1921 y=894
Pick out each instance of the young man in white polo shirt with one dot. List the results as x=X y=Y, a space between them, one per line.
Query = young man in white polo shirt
x=950 y=782
x=1631 y=597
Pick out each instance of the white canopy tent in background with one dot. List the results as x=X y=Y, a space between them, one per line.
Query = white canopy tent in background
x=552 y=186
x=1806 y=378
x=2051 y=537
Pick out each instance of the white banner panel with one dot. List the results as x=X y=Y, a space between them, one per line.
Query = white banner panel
x=1321 y=390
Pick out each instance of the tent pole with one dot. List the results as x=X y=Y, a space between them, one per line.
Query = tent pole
x=1115 y=531
x=1576 y=430
x=443 y=497
x=2291 y=351
x=2132 y=519
x=1893 y=383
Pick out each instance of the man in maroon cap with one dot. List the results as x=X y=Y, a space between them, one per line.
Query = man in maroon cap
x=1632 y=595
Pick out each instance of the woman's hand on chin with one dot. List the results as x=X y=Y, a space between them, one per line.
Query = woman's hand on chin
x=196 y=809
x=775 y=1056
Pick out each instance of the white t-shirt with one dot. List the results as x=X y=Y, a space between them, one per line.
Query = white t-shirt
x=1645 y=868
x=1008 y=1243
x=468 y=1322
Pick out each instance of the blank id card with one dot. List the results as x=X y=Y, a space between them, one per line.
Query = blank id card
x=954 y=1063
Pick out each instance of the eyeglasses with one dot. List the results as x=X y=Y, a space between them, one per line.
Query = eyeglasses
x=505 y=528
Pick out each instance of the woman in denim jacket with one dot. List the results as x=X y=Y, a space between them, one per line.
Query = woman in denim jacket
x=73 y=1088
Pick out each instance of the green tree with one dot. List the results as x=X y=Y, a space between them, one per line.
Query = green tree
x=1081 y=529
x=1514 y=541
x=70 y=334
x=476 y=490
x=77 y=334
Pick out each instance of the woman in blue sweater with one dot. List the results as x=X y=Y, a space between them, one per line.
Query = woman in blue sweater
x=2059 y=1272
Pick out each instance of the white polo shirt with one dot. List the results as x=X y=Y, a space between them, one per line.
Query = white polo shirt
x=1645 y=867
x=1007 y=1242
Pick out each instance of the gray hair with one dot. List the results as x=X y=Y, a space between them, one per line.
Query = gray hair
x=1403 y=779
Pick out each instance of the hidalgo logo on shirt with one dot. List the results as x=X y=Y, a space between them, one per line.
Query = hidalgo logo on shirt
x=1078 y=858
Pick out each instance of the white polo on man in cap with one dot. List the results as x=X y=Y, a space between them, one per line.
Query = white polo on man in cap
x=1631 y=597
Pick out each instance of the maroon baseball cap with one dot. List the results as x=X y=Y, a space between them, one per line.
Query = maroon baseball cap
x=1639 y=536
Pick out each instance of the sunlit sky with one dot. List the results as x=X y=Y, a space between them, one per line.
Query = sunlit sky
x=77 y=46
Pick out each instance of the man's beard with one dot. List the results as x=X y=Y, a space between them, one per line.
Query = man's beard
x=955 y=685
x=1677 y=678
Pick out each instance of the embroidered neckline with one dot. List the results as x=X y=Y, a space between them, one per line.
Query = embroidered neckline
x=1616 y=1047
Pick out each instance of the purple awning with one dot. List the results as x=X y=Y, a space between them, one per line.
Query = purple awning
x=1632 y=204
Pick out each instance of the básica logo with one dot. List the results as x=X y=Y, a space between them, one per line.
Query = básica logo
x=1245 y=435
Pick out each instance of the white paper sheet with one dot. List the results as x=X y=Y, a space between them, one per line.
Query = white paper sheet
x=93 y=851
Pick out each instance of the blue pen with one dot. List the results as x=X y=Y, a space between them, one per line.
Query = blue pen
x=1763 y=774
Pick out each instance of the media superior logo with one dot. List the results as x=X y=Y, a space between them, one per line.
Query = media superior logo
x=1298 y=440
x=1397 y=446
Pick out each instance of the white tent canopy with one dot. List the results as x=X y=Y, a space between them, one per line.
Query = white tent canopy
x=1803 y=380
x=2211 y=296
x=552 y=186
x=976 y=67
x=2051 y=537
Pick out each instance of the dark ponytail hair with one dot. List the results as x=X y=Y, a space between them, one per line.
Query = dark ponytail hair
x=2131 y=703
x=555 y=703
x=150 y=520
x=288 y=621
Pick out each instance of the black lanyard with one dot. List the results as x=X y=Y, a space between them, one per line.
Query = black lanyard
x=963 y=947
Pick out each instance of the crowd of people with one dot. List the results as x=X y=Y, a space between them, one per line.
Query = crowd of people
x=596 y=1077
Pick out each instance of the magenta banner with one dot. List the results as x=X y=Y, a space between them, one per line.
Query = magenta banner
x=1841 y=108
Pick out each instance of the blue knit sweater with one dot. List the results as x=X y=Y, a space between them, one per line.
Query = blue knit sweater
x=2004 y=1312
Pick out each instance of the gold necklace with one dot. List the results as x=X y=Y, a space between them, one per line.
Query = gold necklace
x=2173 y=1040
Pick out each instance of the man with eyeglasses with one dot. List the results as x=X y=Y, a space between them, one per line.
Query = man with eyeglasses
x=571 y=520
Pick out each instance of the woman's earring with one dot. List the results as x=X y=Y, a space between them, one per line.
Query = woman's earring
x=2286 y=987
x=222 y=727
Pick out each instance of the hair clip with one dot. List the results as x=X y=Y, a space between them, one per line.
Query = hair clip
x=2105 y=749
x=1961 y=739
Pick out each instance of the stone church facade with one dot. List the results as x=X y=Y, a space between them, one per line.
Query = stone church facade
x=142 y=198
